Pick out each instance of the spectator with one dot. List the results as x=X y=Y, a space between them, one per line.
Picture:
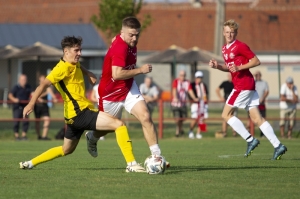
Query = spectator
x=180 y=90
x=150 y=93
x=20 y=95
x=198 y=108
x=41 y=111
x=262 y=89
x=94 y=97
x=288 y=106
x=227 y=87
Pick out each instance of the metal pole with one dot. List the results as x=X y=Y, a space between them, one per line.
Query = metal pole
x=161 y=119
x=279 y=71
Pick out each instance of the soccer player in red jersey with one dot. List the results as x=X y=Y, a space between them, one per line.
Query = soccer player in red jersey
x=238 y=60
x=118 y=90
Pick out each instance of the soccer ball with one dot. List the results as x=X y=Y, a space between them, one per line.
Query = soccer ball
x=155 y=164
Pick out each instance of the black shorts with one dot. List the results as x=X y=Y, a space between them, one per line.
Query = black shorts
x=41 y=110
x=85 y=120
x=179 y=112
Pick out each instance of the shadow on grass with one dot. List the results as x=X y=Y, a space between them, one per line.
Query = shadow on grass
x=182 y=169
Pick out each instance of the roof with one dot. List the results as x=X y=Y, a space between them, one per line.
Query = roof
x=265 y=25
x=26 y=34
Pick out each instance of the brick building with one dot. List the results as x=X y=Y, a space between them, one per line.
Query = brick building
x=267 y=26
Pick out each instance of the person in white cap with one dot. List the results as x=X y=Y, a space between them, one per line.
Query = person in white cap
x=288 y=106
x=199 y=109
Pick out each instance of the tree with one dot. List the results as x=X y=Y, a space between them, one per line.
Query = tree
x=111 y=13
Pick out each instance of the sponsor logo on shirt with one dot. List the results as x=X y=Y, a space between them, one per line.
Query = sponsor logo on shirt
x=231 y=55
x=225 y=56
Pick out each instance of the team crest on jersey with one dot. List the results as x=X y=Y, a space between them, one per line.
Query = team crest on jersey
x=231 y=55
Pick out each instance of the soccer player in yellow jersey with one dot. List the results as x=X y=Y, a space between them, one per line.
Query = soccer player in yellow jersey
x=79 y=112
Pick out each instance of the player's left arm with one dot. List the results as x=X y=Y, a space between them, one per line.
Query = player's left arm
x=245 y=51
x=251 y=64
x=92 y=77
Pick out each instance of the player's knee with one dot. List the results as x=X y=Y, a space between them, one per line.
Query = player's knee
x=225 y=116
x=68 y=151
x=120 y=123
x=145 y=117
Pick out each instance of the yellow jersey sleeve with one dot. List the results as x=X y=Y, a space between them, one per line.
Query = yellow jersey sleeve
x=58 y=73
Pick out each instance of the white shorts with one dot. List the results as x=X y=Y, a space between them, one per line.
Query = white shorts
x=115 y=108
x=245 y=99
x=195 y=111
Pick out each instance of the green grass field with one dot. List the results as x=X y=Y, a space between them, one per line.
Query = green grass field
x=207 y=168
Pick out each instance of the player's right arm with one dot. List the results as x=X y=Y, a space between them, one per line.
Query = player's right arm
x=214 y=64
x=119 y=73
x=37 y=93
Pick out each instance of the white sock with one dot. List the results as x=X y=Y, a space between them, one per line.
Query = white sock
x=239 y=127
x=131 y=163
x=268 y=131
x=30 y=164
x=155 y=150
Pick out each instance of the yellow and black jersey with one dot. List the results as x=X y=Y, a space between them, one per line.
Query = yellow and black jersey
x=68 y=80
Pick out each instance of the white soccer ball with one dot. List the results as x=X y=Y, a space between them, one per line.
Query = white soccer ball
x=155 y=164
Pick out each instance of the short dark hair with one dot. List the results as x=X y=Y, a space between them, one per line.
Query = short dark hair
x=131 y=22
x=70 y=41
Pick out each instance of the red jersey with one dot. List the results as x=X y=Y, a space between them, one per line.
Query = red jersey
x=182 y=92
x=239 y=53
x=121 y=55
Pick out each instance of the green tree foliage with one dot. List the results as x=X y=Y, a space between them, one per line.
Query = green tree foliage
x=111 y=13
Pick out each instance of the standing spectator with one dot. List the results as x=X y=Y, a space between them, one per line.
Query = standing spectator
x=288 y=106
x=227 y=87
x=198 y=108
x=180 y=90
x=41 y=111
x=20 y=95
x=150 y=93
x=94 y=97
x=262 y=89
x=238 y=60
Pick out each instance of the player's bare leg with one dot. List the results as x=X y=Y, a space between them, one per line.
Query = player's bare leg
x=140 y=111
x=68 y=147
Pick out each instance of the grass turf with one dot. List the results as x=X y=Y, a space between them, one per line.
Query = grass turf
x=207 y=168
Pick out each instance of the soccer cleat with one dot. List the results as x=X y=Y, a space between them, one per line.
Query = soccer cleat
x=135 y=168
x=24 y=165
x=191 y=135
x=279 y=151
x=102 y=138
x=198 y=136
x=91 y=145
x=251 y=146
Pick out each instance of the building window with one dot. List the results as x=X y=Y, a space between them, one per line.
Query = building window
x=296 y=68
x=275 y=68
x=273 y=18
